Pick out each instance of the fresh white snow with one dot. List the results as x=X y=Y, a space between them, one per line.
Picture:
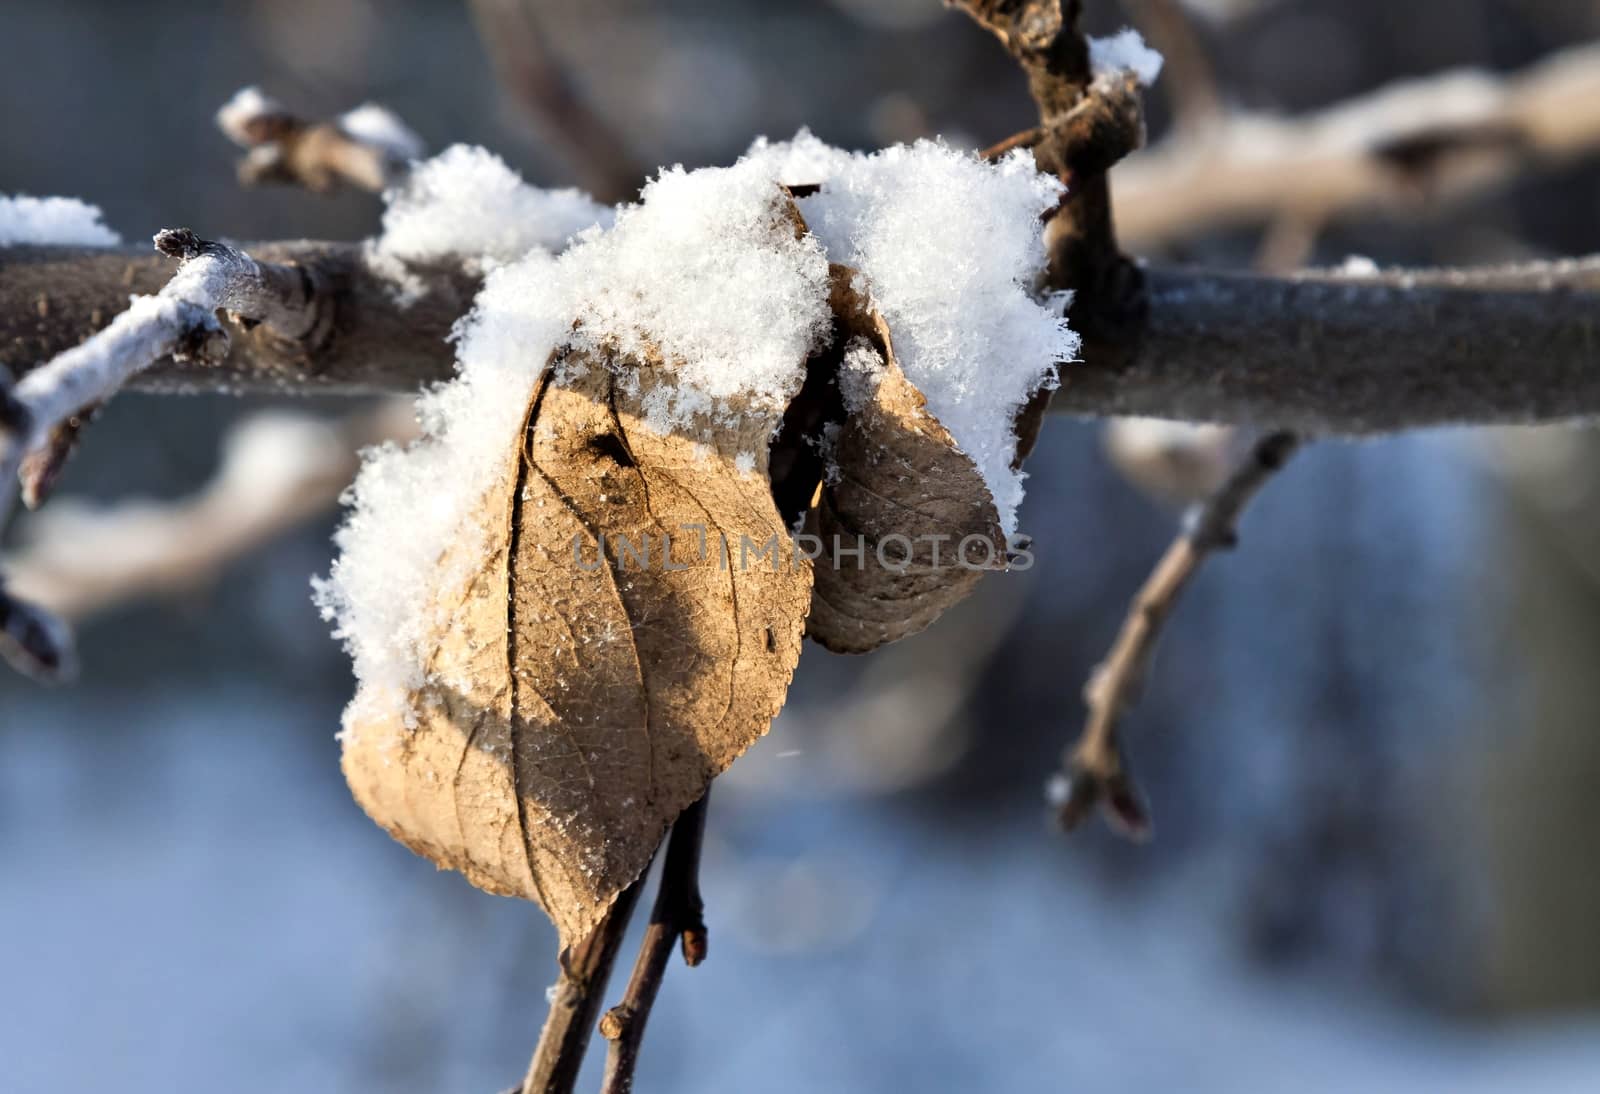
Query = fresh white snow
x=951 y=250
x=708 y=273
x=1125 y=51
x=65 y=222
x=466 y=203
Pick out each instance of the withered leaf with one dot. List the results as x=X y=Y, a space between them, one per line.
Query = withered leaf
x=597 y=690
x=902 y=492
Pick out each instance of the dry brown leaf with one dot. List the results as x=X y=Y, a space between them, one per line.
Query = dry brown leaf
x=603 y=699
x=903 y=490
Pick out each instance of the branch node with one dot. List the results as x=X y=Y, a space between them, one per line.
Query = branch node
x=181 y=243
x=614 y=1022
x=35 y=642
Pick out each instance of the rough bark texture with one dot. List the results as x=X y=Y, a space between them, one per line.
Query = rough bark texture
x=1322 y=353
x=1326 y=353
x=51 y=298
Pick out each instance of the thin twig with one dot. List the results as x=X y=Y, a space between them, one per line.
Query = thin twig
x=678 y=917
x=1095 y=770
x=585 y=971
x=538 y=83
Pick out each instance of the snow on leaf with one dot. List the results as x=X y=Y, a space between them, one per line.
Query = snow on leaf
x=904 y=492
x=630 y=631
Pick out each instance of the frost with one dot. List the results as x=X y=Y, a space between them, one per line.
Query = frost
x=950 y=248
x=65 y=222
x=860 y=372
x=378 y=126
x=1125 y=51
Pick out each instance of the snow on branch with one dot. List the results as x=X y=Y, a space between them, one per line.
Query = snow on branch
x=179 y=322
x=1440 y=137
x=1333 y=352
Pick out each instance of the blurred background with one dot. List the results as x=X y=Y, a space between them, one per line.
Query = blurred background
x=1369 y=739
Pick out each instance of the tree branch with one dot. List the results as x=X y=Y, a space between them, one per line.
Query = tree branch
x=678 y=916
x=1444 y=137
x=179 y=322
x=1357 y=353
x=1094 y=768
x=538 y=83
x=277 y=470
x=1330 y=352
x=1189 y=77
x=368 y=148
x=585 y=971
x=52 y=298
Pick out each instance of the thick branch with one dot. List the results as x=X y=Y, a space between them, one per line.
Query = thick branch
x=1446 y=136
x=1338 y=353
x=52 y=298
x=179 y=321
x=1320 y=352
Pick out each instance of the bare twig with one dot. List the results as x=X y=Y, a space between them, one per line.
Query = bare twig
x=585 y=971
x=1095 y=771
x=537 y=82
x=1088 y=121
x=34 y=642
x=1445 y=137
x=677 y=918
x=368 y=148
x=43 y=466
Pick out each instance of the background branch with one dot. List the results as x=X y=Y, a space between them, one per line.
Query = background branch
x=278 y=469
x=1095 y=770
x=1439 y=138
x=368 y=148
x=537 y=82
